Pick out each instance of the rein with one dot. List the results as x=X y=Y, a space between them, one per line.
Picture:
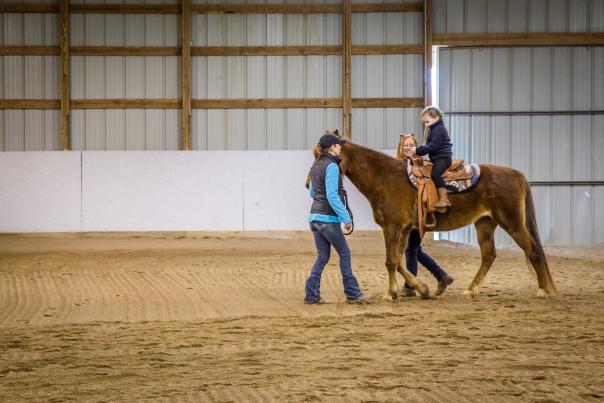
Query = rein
x=349 y=212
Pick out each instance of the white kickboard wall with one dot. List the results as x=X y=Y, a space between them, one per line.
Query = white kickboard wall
x=160 y=191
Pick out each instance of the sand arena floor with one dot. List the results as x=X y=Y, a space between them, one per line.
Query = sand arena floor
x=219 y=317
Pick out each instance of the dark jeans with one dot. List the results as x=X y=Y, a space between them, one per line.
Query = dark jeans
x=326 y=235
x=414 y=253
x=439 y=166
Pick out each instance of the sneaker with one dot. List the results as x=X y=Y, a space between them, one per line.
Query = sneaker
x=320 y=301
x=443 y=283
x=363 y=299
x=408 y=292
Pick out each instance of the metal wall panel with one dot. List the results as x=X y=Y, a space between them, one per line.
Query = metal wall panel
x=236 y=77
x=261 y=129
x=532 y=79
x=388 y=76
x=132 y=77
x=467 y=16
x=521 y=79
x=380 y=128
x=29 y=77
x=544 y=148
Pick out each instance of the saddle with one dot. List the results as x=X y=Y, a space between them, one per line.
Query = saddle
x=427 y=195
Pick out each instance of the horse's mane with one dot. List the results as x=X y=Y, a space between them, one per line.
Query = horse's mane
x=356 y=152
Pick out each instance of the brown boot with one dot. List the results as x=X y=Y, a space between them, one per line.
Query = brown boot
x=443 y=200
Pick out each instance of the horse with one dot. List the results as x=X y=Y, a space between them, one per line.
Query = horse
x=501 y=197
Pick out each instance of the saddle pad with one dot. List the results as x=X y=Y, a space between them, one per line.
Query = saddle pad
x=451 y=186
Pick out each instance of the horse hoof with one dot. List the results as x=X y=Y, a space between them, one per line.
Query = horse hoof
x=541 y=293
x=389 y=297
x=472 y=293
x=424 y=291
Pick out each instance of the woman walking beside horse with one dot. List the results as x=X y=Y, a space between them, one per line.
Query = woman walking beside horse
x=327 y=213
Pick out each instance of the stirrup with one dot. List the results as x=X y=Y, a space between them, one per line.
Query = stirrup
x=428 y=224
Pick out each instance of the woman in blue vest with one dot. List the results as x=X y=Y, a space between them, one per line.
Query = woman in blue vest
x=327 y=212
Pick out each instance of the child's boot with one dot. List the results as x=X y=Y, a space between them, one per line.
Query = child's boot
x=443 y=200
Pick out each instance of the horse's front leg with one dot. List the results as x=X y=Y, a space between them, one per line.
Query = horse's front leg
x=413 y=281
x=392 y=236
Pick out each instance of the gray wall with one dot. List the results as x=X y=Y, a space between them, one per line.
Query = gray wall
x=457 y=16
x=212 y=78
x=564 y=147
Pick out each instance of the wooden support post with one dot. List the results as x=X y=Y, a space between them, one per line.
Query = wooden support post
x=186 y=74
x=346 y=68
x=427 y=52
x=65 y=114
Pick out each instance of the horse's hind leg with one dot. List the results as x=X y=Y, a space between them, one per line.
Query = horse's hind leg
x=521 y=235
x=485 y=230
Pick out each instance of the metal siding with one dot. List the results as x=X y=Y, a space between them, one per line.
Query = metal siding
x=29 y=77
x=597 y=149
x=581 y=79
x=582 y=147
x=538 y=79
x=117 y=77
x=598 y=78
x=475 y=18
x=379 y=76
x=501 y=88
x=598 y=214
x=480 y=84
x=582 y=207
x=517 y=15
x=541 y=149
x=521 y=81
x=457 y=16
x=578 y=18
x=264 y=77
x=275 y=138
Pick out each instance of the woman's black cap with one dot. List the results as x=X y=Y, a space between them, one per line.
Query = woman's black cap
x=327 y=140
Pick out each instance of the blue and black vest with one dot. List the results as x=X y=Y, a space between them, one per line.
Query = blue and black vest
x=320 y=204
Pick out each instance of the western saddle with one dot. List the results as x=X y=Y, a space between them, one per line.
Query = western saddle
x=427 y=195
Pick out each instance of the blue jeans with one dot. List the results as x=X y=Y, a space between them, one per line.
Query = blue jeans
x=326 y=235
x=414 y=253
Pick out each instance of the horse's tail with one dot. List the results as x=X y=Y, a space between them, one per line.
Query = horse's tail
x=531 y=225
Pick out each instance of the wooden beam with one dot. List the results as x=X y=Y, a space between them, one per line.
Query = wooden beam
x=30 y=50
x=126 y=104
x=417 y=7
x=124 y=51
x=266 y=103
x=125 y=8
x=211 y=50
x=346 y=68
x=427 y=52
x=519 y=39
x=387 y=49
x=387 y=102
x=30 y=104
x=302 y=8
x=65 y=77
x=265 y=8
x=29 y=8
x=266 y=50
x=186 y=75
x=261 y=103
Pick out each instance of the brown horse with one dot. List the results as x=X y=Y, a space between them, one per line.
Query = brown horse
x=501 y=197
